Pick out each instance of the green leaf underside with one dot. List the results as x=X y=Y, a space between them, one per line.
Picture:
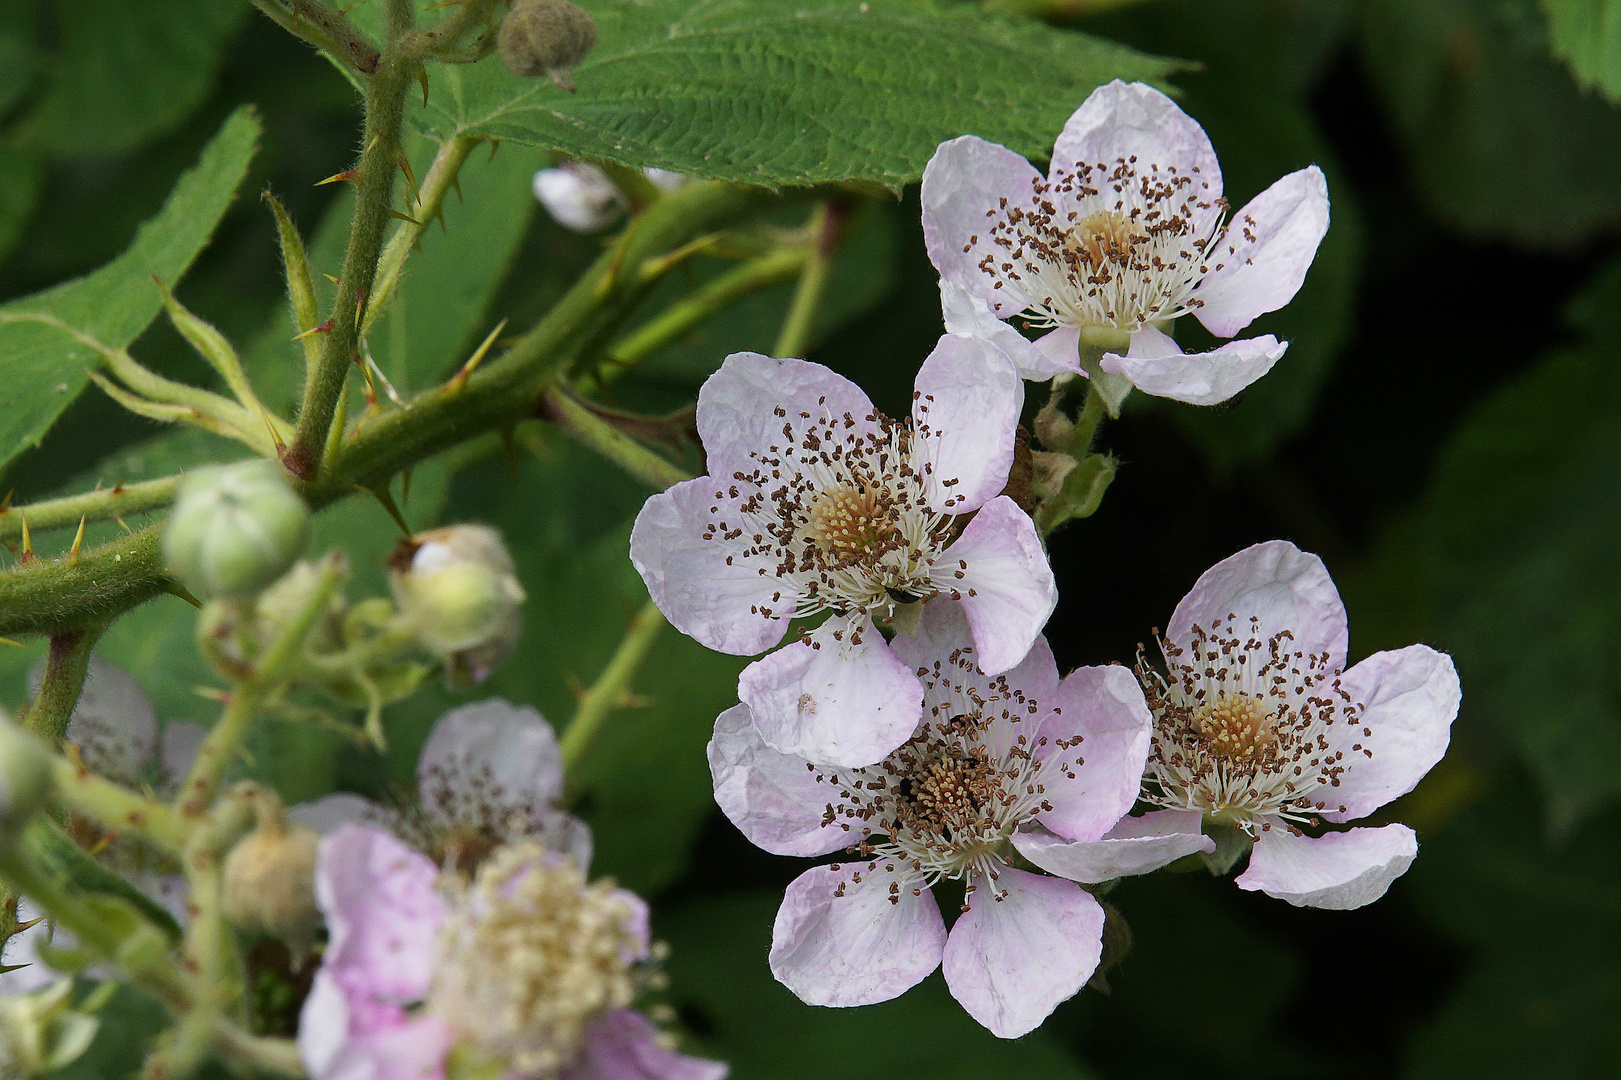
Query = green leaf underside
x=775 y=93
x=1586 y=34
x=45 y=368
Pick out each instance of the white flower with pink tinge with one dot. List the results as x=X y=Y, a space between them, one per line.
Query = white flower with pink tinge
x=1000 y=764
x=1124 y=234
x=815 y=502
x=520 y=970
x=1258 y=726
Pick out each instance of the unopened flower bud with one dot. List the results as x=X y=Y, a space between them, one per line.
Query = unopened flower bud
x=457 y=588
x=546 y=37
x=579 y=196
x=270 y=878
x=40 y=1032
x=286 y=599
x=1053 y=427
x=25 y=778
x=235 y=529
x=1048 y=471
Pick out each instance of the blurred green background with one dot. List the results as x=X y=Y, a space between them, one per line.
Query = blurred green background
x=1445 y=431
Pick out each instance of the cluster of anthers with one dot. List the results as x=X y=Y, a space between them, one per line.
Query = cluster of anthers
x=1242 y=728
x=1107 y=246
x=838 y=511
x=948 y=801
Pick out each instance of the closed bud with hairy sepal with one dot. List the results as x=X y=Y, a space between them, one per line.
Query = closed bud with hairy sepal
x=546 y=37
x=25 y=778
x=457 y=588
x=235 y=529
x=270 y=877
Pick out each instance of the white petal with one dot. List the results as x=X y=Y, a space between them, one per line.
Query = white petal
x=838 y=696
x=383 y=911
x=1269 y=246
x=745 y=405
x=723 y=604
x=965 y=180
x=1137 y=845
x=1339 y=871
x=997 y=569
x=1091 y=785
x=1025 y=944
x=181 y=741
x=1286 y=588
x=1207 y=378
x=331 y=812
x=965 y=412
x=560 y=832
x=579 y=196
x=970 y=316
x=486 y=763
x=1408 y=699
x=1121 y=121
x=774 y=799
x=113 y=724
x=873 y=943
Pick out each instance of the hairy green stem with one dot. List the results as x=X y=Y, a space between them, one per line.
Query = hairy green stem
x=98 y=505
x=66 y=663
x=436 y=185
x=566 y=412
x=325 y=28
x=117 y=807
x=608 y=692
x=797 y=327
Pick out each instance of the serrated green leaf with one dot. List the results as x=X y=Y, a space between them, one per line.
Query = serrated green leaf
x=45 y=368
x=777 y=92
x=127 y=73
x=1500 y=140
x=1586 y=34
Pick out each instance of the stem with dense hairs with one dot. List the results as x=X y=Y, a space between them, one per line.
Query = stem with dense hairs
x=66 y=664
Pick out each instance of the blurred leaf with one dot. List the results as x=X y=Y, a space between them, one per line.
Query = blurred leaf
x=1586 y=34
x=1522 y=519
x=719 y=977
x=1500 y=140
x=20 y=179
x=127 y=73
x=45 y=367
x=775 y=92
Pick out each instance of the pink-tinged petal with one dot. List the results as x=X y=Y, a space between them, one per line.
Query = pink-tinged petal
x=1263 y=260
x=1092 y=784
x=113 y=723
x=1207 y=378
x=840 y=942
x=178 y=751
x=1025 y=944
x=1137 y=845
x=705 y=593
x=564 y=834
x=997 y=569
x=776 y=800
x=624 y=1045
x=965 y=412
x=1408 y=700
x=971 y=316
x=344 y=1039
x=1286 y=588
x=382 y=910
x=323 y=1025
x=487 y=762
x=837 y=696
x=965 y=180
x=331 y=812
x=579 y=196
x=1122 y=121
x=1338 y=871
x=744 y=406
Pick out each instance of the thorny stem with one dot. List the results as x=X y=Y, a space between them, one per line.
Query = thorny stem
x=66 y=663
x=610 y=689
x=823 y=227
x=562 y=409
x=325 y=28
x=117 y=807
x=197 y=794
x=99 y=505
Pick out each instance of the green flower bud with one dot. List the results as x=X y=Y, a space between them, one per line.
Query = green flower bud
x=457 y=588
x=235 y=529
x=25 y=778
x=546 y=37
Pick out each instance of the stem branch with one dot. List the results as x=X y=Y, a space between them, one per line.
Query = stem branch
x=608 y=692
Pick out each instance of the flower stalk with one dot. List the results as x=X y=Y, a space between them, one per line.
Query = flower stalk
x=610 y=690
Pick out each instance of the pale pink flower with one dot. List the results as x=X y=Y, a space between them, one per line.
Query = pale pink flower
x=1125 y=233
x=998 y=763
x=521 y=971
x=815 y=502
x=1259 y=726
x=489 y=773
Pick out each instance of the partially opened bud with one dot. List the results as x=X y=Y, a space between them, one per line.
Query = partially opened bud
x=579 y=196
x=546 y=37
x=25 y=778
x=235 y=529
x=457 y=588
x=270 y=878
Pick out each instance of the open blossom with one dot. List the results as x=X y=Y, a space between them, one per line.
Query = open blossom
x=490 y=773
x=999 y=763
x=1259 y=726
x=519 y=970
x=817 y=502
x=1125 y=233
